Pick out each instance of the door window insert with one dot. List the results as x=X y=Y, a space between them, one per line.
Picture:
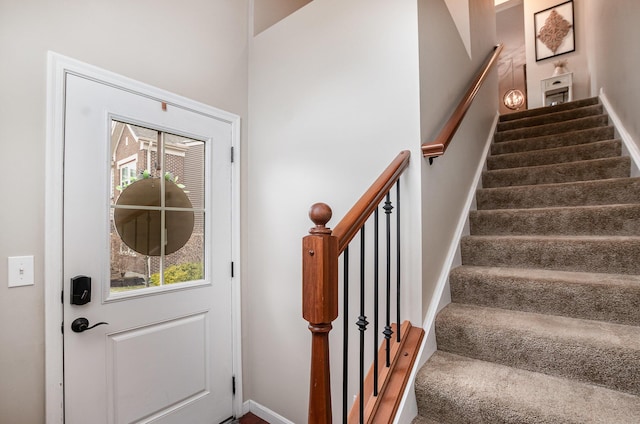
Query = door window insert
x=157 y=228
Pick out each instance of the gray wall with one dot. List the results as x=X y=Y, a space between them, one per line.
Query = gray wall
x=613 y=58
x=196 y=48
x=445 y=74
x=268 y=12
x=510 y=32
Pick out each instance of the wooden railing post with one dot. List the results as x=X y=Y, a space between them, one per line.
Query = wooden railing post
x=320 y=306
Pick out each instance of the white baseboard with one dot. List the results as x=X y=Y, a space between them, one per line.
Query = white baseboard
x=631 y=148
x=441 y=297
x=263 y=412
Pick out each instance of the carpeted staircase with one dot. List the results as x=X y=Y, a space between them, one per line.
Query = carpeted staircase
x=544 y=324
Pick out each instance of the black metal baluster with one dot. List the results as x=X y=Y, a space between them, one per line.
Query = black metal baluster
x=398 y=257
x=362 y=323
x=375 y=303
x=345 y=335
x=387 y=329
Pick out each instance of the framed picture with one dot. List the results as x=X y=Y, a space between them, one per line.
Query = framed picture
x=555 y=32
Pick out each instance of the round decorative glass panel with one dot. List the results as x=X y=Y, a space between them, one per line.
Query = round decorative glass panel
x=140 y=229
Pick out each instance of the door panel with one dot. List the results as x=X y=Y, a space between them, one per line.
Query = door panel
x=139 y=390
x=157 y=359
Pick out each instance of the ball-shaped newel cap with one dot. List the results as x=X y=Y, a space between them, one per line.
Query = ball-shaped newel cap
x=320 y=214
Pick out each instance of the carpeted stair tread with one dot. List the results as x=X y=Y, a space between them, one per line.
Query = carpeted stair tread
x=549 y=118
x=594 y=169
x=546 y=304
x=552 y=129
x=422 y=420
x=592 y=296
x=612 y=254
x=599 y=220
x=580 y=193
x=556 y=155
x=456 y=390
x=572 y=138
x=550 y=109
x=594 y=352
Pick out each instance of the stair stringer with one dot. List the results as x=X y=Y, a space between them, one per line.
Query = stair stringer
x=630 y=148
x=408 y=408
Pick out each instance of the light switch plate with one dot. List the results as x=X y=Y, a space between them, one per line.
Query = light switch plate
x=20 y=271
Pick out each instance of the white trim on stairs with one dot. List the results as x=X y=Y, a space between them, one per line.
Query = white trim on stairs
x=630 y=147
x=442 y=297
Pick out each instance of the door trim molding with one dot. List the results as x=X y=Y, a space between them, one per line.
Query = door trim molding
x=58 y=66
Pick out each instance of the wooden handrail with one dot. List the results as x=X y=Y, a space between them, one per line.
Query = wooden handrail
x=349 y=226
x=320 y=252
x=438 y=146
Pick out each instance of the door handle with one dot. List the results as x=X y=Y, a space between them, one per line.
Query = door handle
x=82 y=324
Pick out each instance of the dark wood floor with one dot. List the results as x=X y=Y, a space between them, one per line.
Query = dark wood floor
x=252 y=419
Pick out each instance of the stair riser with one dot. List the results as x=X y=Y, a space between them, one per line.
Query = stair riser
x=549 y=142
x=578 y=358
x=619 y=220
x=611 y=255
x=607 y=299
x=603 y=192
x=550 y=118
x=548 y=110
x=598 y=150
x=598 y=169
x=551 y=129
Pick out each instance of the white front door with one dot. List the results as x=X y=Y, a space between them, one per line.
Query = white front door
x=147 y=217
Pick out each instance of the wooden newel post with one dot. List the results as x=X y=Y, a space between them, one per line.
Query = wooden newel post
x=320 y=306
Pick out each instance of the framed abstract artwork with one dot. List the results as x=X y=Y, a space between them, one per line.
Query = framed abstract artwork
x=555 y=31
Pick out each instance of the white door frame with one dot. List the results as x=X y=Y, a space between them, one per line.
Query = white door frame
x=58 y=67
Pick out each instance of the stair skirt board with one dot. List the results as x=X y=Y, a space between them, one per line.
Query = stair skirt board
x=537 y=311
x=630 y=147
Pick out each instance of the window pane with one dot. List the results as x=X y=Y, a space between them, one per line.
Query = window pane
x=157 y=201
x=129 y=269
x=139 y=230
x=187 y=264
x=184 y=160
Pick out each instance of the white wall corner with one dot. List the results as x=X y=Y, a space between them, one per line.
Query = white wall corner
x=459 y=11
x=629 y=146
x=502 y=5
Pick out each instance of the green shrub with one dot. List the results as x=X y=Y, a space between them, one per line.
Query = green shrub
x=179 y=273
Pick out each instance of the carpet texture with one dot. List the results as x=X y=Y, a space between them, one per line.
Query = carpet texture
x=544 y=324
